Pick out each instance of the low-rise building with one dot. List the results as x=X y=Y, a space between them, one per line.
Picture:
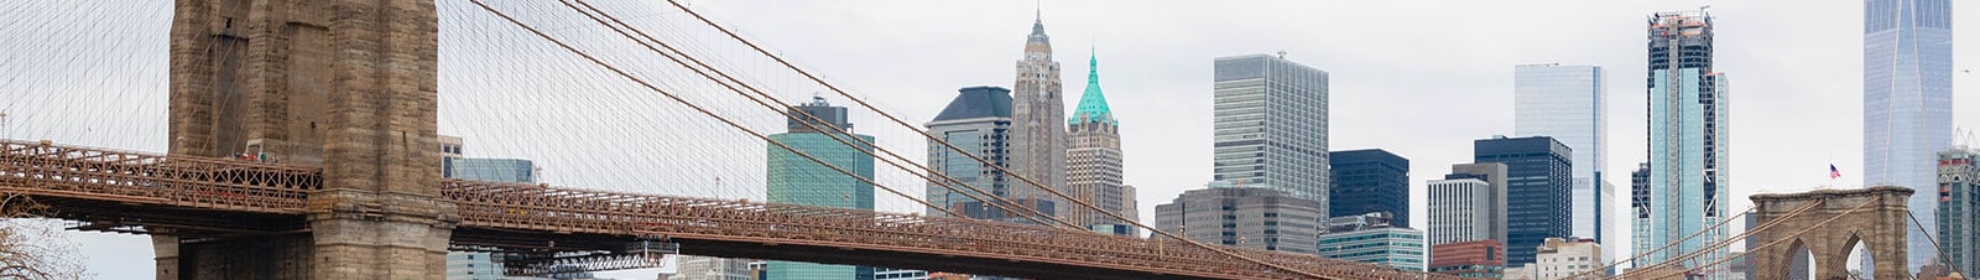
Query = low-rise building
x=1484 y=258
x=1369 y=238
x=1558 y=258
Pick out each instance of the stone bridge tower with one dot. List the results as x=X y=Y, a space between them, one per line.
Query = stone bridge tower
x=1880 y=225
x=345 y=84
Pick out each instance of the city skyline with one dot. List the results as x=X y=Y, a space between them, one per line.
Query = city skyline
x=1789 y=168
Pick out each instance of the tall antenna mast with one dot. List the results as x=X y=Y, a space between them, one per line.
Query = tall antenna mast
x=1965 y=136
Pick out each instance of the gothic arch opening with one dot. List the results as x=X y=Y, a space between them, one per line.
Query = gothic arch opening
x=1857 y=258
x=1801 y=262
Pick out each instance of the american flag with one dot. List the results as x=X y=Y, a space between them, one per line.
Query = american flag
x=1833 y=173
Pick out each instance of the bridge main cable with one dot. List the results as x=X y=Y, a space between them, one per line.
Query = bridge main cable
x=697 y=108
x=836 y=134
x=897 y=120
x=1728 y=241
x=1688 y=237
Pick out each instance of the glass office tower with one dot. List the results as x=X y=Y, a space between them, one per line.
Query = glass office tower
x=1271 y=125
x=1907 y=101
x=1567 y=102
x=794 y=179
x=1688 y=187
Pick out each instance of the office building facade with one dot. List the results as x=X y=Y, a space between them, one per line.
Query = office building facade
x=1538 y=175
x=492 y=170
x=473 y=266
x=1369 y=181
x=1038 y=128
x=1468 y=204
x=1907 y=102
x=820 y=131
x=1369 y=238
x=1568 y=103
x=1470 y=259
x=1565 y=258
x=1689 y=180
x=479 y=265
x=712 y=268
x=1094 y=162
x=1255 y=218
x=1271 y=125
x=1959 y=208
x=978 y=121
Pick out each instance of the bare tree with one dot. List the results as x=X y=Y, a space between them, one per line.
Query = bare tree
x=32 y=249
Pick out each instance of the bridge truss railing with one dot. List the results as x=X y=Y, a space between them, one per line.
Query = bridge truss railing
x=44 y=169
x=533 y=207
x=208 y=184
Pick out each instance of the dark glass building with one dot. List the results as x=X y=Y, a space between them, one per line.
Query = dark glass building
x=1369 y=181
x=1539 y=179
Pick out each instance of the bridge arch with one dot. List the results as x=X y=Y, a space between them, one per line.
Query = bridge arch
x=1840 y=219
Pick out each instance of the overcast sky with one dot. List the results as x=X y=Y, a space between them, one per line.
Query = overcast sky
x=1418 y=78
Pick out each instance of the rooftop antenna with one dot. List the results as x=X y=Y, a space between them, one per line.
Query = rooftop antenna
x=1282 y=54
x=1966 y=139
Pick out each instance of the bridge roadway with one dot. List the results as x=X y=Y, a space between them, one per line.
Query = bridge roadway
x=195 y=197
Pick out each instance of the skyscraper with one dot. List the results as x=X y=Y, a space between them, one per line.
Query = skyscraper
x=1038 y=131
x=978 y=121
x=1959 y=208
x=1271 y=125
x=792 y=178
x=1094 y=161
x=1688 y=188
x=1568 y=103
x=1369 y=181
x=1907 y=101
x=1538 y=172
x=1468 y=204
x=1255 y=218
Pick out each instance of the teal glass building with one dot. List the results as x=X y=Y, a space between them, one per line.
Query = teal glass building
x=796 y=180
x=1688 y=183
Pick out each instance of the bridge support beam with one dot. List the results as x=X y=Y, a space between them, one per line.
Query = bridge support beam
x=347 y=84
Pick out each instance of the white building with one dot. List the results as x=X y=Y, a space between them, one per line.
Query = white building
x=712 y=268
x=1468 y=204
x=1561 y=258
x=473 y=266
x=1458 y=209
x=899 y=274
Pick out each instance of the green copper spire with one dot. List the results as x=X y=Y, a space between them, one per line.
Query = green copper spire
x=1092 y=104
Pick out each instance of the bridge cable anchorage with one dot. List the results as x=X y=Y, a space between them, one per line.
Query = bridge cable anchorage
x=924 y=133
x=1722 y=223
x=1751 y=250
x=835 y=133
x=1943 y=257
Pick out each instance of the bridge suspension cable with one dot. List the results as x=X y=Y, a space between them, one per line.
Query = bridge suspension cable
x=932 y=138
x=698 y=108
x=1668 y=245
x=1750 y=250
x=834 y=132
x=1943 y=256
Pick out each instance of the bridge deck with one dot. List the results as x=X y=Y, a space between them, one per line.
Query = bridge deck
x=181 y=195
